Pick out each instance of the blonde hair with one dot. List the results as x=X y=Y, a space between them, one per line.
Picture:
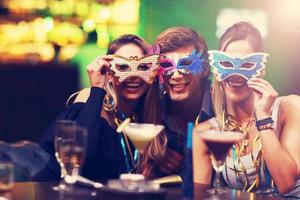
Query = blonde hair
x=110 y=101
x=238 y=31
x=148 y=110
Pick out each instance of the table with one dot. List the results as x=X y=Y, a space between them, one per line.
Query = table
x=43 y=191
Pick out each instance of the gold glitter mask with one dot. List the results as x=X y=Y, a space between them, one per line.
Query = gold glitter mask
x=145 y=67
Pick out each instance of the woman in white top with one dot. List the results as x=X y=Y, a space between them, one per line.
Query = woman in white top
x=268 y=159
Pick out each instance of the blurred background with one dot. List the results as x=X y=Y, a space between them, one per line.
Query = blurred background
x=45 y=46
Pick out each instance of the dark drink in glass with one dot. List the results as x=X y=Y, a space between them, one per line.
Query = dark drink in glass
x=219 y=143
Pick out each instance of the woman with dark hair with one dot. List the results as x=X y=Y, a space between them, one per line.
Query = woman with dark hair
x=267 y=159
x=123 y=85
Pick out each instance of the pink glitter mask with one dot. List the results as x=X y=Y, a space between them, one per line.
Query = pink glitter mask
x=144 y=68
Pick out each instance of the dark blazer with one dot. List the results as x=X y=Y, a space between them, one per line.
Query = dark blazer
x=104 y=157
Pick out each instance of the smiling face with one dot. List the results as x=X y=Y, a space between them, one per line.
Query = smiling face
x=235 y=87
x=180 y=86
x=132 y=87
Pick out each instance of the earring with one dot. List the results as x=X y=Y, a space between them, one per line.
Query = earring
x=108 y=102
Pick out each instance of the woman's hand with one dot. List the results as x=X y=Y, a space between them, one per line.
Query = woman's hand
x=97 y=71
x=264 y=97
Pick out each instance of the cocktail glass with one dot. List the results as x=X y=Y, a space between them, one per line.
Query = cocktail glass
x=219 y=143
x=140 y=134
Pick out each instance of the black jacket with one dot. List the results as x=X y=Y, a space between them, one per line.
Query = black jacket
x=104 y=157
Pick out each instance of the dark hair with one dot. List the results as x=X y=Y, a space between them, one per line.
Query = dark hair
x=242 y=31
x=180 y=37
x=127 y=39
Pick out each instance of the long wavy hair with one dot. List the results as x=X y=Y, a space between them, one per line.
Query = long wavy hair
x=148 y=110
x=111 y=101
x=238 y=31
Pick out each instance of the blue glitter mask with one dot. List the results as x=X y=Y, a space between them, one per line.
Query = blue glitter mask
x=191 y=64
x=248 y=66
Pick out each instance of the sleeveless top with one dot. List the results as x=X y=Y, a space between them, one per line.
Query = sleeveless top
x=265 y=182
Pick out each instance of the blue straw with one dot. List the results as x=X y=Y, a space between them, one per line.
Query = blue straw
x=188 y=185
x=190 y=135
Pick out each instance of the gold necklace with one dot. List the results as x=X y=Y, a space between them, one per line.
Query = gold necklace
x=231 y=124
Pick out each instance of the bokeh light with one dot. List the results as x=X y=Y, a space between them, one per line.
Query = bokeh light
x=286 y=14
x=228 y=17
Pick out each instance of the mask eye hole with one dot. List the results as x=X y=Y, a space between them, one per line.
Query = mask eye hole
x=169 y=72
x=248 y=65
x=144 y=66
x=227 y=64
x=122 y=67
x=184 y=71
x=185 y=62
x=166 y=64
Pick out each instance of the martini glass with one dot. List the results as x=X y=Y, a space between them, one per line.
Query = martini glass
x=219 y=143
x=140 y=134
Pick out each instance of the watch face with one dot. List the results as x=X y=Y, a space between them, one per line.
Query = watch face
x=265 y=124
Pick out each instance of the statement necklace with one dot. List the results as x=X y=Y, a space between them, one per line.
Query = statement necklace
x=230 y=123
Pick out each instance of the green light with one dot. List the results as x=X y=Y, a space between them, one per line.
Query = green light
x=48 y=23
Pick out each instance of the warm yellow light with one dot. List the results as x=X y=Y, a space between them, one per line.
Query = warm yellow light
x=89 y=25
x=102 y=37
x=17 y=5
x=126 y=12
x=104 y=14
x=67 y=52
x=82 y=8
x=61 y=7
x=45 y=52
x=66 y=33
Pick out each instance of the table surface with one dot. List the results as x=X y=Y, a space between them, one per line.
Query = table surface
x=44 y=191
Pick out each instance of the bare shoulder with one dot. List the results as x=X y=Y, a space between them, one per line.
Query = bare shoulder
x=290 y=109
x=82 y=95
x=290 y=104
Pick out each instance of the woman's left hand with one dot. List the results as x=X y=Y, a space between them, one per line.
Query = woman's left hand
x=264 y=97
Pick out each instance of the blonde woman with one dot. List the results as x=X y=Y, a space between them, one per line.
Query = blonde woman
x=268 y=159
x=123 y=85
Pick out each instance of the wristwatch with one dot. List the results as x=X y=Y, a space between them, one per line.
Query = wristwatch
x=265 y=124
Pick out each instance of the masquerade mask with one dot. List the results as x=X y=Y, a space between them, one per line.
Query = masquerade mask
x=145 y=67
x=248 y=66
x=186 y=65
